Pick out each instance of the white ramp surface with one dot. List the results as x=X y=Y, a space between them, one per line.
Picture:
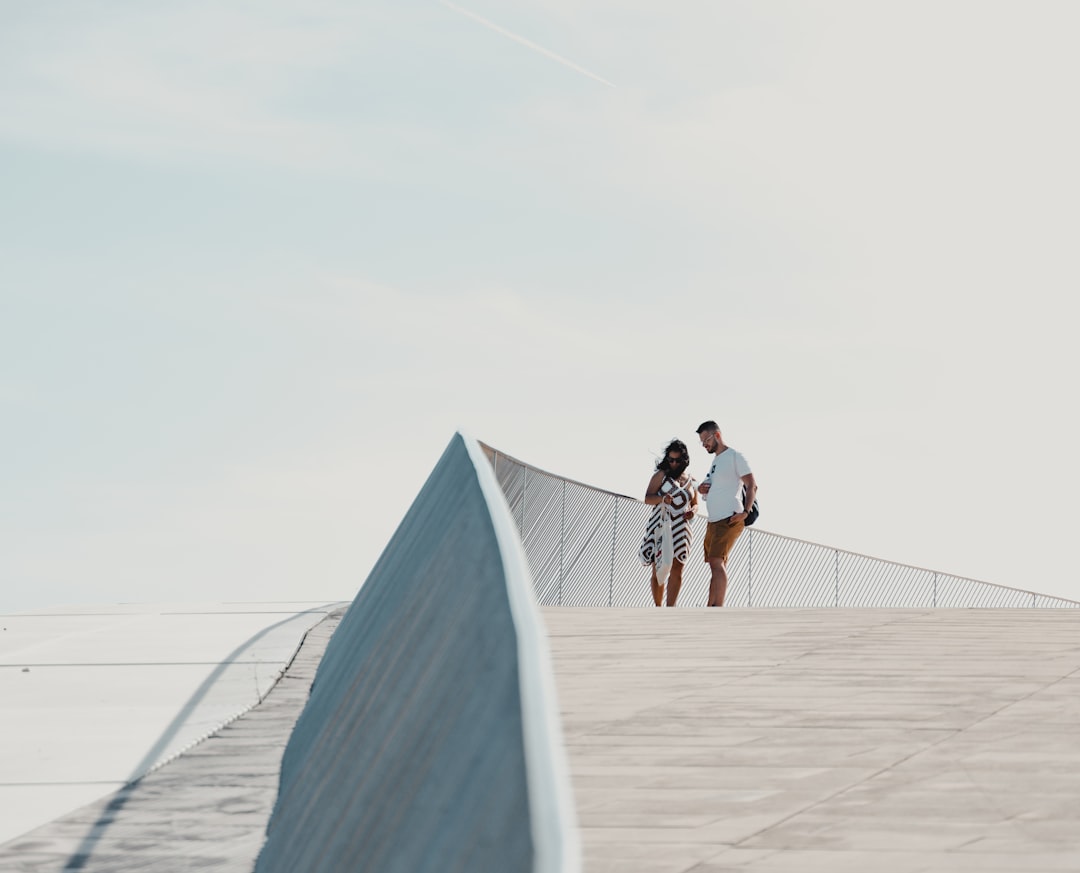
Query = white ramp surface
x=94 y=697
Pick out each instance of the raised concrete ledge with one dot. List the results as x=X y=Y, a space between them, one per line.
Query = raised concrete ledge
x=430 y=741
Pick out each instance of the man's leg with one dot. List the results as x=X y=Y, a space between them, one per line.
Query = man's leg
x=657 y=589
x=718 y=582
x=674 y=583
x=722 y=542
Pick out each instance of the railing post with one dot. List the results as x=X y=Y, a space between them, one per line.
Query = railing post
x=614 y=530
x=836 y=564
x=935 y=590
x=750 y=569
x=524 y=491
x=562 y=540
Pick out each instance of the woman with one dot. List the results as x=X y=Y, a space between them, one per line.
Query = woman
x=672 y=493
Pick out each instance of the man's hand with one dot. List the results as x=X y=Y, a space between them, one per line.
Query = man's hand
x=703 y=488
x=738 y=516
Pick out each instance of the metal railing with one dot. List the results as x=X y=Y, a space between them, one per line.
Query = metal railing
x=582 y=546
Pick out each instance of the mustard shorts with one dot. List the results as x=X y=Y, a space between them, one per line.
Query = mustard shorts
x=720 y=536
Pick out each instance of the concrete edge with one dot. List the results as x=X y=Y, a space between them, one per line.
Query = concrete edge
x=556 y=838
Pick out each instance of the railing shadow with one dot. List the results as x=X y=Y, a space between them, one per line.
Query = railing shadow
x=84 y=853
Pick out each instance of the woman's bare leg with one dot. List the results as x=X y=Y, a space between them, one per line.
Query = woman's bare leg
x=674 y=583
x=657 y=589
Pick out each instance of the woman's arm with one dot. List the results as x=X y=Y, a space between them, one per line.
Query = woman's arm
x=652 y=492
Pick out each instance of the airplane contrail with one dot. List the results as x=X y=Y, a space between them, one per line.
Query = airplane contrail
x=536 y=48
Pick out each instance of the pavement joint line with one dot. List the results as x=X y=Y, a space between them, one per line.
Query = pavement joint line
x=953 y=733
x=773 y=727
x=42 y=666
x=69 y=614
x=255 y=612
x=77 y=782
x=784 y=662
x=327 y=606
x=1011 y=820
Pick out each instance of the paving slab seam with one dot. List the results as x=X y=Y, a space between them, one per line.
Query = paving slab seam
x=954 y=733
x=833 y=796
x=780 y=821
x=792 y=660
x=69 y=665
x=858 y=633
x=1013 y=820
x=68 y=782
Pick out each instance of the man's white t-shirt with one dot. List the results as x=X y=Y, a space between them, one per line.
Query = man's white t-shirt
x=725 y=484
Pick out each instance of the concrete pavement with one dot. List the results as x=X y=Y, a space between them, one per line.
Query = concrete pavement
x=703 y=741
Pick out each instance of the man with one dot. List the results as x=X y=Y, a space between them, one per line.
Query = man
x=723 y=490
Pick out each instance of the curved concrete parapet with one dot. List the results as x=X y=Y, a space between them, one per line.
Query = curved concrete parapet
x=431 y=738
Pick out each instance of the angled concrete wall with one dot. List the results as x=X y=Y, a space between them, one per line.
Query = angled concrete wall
x=430 y=741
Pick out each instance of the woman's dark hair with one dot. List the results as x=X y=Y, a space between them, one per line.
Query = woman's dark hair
x=673 y=447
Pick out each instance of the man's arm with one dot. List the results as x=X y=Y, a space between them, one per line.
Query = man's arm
x=750 y=484
x=706 y=483
x=751 y=492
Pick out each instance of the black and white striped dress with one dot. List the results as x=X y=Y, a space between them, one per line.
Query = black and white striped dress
x=652 y=547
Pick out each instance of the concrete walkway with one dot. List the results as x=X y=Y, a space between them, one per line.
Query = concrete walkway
x=834 y=740
x=704 y=741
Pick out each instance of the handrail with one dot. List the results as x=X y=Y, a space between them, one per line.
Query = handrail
x=766 y=569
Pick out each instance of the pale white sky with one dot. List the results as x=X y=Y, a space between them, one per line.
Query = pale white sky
x=258 y=261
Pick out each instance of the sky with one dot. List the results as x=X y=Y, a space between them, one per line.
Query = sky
x=260 y=261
